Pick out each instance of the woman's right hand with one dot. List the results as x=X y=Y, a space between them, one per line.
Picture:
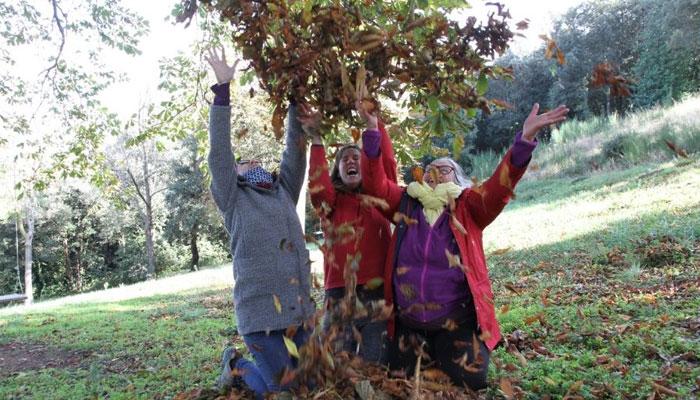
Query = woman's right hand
x=224 y=73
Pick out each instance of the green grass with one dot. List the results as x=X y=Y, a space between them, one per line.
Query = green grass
x=612 y=327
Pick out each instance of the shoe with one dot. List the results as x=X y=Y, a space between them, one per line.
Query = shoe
x=227 y=380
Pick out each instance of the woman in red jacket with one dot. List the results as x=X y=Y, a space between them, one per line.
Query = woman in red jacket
x=356 y=239
x=436 y=275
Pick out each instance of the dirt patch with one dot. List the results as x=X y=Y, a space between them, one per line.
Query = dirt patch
x=18 y=356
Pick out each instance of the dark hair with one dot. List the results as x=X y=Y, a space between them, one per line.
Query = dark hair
x=335 y=172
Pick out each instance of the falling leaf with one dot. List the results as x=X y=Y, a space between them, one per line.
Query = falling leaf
x=401 y=217
x=278 y=121
x=450 y=325
x=291 y=347
x=288 y=376
x=676 y=149
x=374 y=283
x=500 y=252
x=452 y=259
x=242 y=133
x=371 y=201
x=278 y=305
x=402 y=270
x=408 y=291
x=417 y=172
x=355 y=133
x=522 y=25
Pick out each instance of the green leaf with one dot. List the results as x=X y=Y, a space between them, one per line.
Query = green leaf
x=482 y=85
x=457 y=146
x=471 y=113
x=433 y=104
x=374 y=283
x=291 y=347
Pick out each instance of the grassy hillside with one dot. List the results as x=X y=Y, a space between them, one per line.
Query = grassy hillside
x=596 y=281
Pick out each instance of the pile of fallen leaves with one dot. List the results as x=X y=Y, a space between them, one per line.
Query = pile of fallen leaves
x=333 y=53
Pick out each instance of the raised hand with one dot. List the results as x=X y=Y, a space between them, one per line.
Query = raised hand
x=224 y=73
x=534 y=122
x=310 y=120
x=369 y=117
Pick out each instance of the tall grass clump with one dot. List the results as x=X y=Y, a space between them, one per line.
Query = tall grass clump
x=579 y=147
x=484 y=163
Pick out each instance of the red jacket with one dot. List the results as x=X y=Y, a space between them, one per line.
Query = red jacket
x=475 y=208
x=339 y=208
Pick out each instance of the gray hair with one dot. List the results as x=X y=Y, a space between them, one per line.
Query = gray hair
x=460 y=177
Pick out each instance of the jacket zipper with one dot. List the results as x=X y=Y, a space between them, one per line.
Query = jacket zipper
x=425 y=271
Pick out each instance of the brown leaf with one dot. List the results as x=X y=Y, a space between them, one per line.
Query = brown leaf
x=401 y=217
x=507 y=388
x=676 y=149
x=370 y=201
x=512 y=288
x=417 y=172
x=450 y=325
x=522 y=25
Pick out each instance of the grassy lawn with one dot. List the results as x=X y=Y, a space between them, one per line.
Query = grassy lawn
x=596 y=281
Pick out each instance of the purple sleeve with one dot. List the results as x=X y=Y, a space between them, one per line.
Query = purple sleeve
x=222 y=94
x=371 y=140
x=522 y=150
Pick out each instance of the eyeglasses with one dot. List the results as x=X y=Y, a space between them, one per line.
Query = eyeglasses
x=442 y=169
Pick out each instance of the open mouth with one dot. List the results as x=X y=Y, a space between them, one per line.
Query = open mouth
x=352 y=172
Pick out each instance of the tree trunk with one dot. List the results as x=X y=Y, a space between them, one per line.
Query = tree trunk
x=28 y=259
x=194 y=262
x=148 y=223
x=150 y=251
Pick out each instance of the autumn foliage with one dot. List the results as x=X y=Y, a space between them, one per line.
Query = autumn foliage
x=331 y=54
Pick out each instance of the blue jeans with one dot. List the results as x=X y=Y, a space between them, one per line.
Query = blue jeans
x=271 y=358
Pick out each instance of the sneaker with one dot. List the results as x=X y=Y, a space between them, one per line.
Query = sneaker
x=227 y=380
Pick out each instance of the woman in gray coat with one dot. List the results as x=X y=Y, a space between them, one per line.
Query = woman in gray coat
x=271 y=289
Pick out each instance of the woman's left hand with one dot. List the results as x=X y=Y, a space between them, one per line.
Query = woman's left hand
x=535 y=122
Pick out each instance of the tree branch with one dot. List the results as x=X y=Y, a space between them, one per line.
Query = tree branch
x=138 y=190
x=59 y=24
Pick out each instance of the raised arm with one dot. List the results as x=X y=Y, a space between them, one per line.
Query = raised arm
x=486 y=201
x=221 y=160
x=387 y=153
x=374 y=179
x=300 y=119
x=321 y=188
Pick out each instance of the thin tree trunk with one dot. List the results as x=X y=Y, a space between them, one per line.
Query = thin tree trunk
x=28 y=253
x=150 y=252
x=194 y=262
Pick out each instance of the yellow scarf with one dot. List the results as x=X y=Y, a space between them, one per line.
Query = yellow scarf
x=433 y=200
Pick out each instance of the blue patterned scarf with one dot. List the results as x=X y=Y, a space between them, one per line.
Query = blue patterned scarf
x=258 y=176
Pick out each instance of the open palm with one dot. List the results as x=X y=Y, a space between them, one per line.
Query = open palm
x=224 y=73
x=535 y=122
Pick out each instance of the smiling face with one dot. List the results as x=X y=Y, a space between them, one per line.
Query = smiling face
x=441 y=170
x=349 y=168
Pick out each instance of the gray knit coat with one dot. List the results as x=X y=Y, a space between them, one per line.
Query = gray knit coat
x=271 y=267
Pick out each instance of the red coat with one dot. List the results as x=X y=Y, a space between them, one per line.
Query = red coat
x=475 y=208
x=347 y=208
